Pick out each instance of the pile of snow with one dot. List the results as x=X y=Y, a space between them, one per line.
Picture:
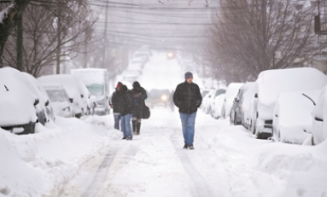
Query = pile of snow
x=90 y=76
x=39 y=164
x=298 y=170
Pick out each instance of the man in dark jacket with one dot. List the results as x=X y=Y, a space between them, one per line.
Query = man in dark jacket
x=114 y=104
x=126 y=104
x=188 y=99
x=139 y=96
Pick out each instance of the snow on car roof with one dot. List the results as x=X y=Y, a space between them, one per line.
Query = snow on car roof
x=272 y=82
x=16 y=100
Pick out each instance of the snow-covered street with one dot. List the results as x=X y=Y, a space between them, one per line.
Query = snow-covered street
x=224 y=163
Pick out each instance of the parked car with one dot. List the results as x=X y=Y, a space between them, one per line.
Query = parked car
x=44 y=110
x=230 y=95
x=273 y=82
x=212 y=99
x=247 y=103
x=74 y=88
x=158 y=97
x=17 y=103
x=237 y=114
x=217 y=106
x=97 y=89
x=62 y=105
x=319 y=119
x=206 y=103
x=292 y=121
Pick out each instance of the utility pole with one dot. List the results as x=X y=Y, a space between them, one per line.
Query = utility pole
x=59 y=36
x=105 y=36
x=19 y=43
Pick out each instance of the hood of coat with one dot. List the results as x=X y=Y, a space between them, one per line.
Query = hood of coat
x=123 y=89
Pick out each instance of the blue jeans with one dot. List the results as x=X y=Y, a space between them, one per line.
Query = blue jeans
x=117 y=119
x=188 y=123
x=126 y=125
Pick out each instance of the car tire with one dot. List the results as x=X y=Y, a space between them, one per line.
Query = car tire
x=235 y=121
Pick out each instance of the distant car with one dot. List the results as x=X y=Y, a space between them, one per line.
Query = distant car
x=292 y=121
x=74 y=88
x=158 y=97
x=17 y=103
x=62 y=105
x=270 y=84
x=319 y=119
x=230 y=95
x=237 y=113
x=131 y=76
x=217 y=106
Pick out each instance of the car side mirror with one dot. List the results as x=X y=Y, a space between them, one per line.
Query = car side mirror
x=236 y=100
x=36 y=102
x=256 y=95
x=71 y=100
x=47 y=104
x=82 y=96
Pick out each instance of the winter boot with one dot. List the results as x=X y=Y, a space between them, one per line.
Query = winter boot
x=134 y=126
x=185 y=146
x=138 y=128
x=191 y=147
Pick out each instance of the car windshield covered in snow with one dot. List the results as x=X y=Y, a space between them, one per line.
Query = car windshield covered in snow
x=57 y=95
x=96 y=89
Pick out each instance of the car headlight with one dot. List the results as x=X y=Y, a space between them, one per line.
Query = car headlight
x=164 y=97
x=101 y=102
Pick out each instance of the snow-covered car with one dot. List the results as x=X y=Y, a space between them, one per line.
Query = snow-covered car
x=206 y=101
x=62 y=105
x=44 y=108
x=217 y=106
x=17 y=103
x=212 y=99
x=96 y=86
x=237 y=115
x=319 y=119
x=231 y=93
x=74 y=88
x=158 y=97
x=292 y=121
x=248 y=98
x=273 y=82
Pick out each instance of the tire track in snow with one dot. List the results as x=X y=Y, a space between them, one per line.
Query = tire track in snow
x=101 y=173
x=201 y=187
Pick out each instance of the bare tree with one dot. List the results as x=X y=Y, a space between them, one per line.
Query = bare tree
x=250 y=36
x=43 y=37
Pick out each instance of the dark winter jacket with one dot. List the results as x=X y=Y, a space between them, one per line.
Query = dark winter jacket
x=126 y=101
x=187 y=97
x=139 y=96
x=115 y=101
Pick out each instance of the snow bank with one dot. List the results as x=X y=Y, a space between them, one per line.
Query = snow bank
x=302 y=170
x=39 y=164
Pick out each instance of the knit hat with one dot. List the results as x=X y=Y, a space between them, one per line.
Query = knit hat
x=188 y=75
x=119 y=84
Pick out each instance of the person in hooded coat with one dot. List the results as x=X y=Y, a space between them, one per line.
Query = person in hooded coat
x=139 y=97
x=114 y=104
x=126 y=106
